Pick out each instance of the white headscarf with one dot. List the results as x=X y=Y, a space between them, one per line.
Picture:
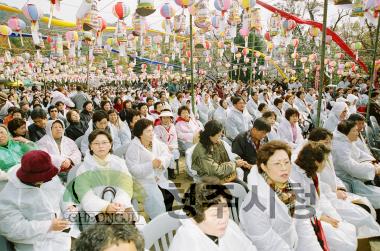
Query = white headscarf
x=333 y=118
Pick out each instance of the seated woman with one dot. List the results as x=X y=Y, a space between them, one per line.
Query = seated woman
x=63 y=150
x=289 y=130
x=338 y=113
x=213 y=157
x=220 y=114
x=11 y=152
x=166 y=132
x=187 y=129
x=103 y=183
x=271 y=118
x=353 y=166
x=207 y=225
x=100 y=121
x=148 y=158
x=309 y=164
x=123 y=131
x=17 y=128
x=31 y=206
x=77 y=127
x=353 y=208
x=274 y=224
x=131 y=117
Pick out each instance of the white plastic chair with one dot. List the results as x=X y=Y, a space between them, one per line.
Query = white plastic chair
x=238 y=193
x=192 y=173
x=159 y=232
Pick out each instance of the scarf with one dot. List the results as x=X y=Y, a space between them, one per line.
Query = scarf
x=181 y=119
x=286 y=194
x=317 y=223
x=104 y=163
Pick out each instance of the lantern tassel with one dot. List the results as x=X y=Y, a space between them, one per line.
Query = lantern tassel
x=22 y=40
x=9 y=43
x=51 y=14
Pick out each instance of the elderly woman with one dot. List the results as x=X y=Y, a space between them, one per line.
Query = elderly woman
x=238 y=119
x=205 y=107
x=277 y=223
x=11 y=151
x=103 y=183
x=77 y=127
x=17 y=128
x=289 y=130
x=123 y=131
x=309 y=164
x=31 y=206
x=220 y=114
x=352 y=100
x=187 y=129
x=213 y=157
x=207 y=225
x=166 y=132
x=271 y=118
x=100 y=121
x=353 y=166
x=63 y=150
x=338 y=113
x=148 y=158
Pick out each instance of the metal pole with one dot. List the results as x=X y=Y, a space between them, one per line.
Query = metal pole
x=252 y=56
x=192 y=65
x=322 y=69
x=373 y=68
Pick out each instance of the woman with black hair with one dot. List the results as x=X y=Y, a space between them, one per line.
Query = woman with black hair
x=207 y=225
x=213 y=157
x=147 y=159
x=309 y=164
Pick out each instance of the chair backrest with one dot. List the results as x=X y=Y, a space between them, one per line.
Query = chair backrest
x=192 y=173
x=370 y=136
x=78 y=141
x=238 y=193
x=375 y=125
x=159 y=233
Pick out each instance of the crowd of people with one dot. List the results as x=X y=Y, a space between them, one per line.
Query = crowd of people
x=108 y=152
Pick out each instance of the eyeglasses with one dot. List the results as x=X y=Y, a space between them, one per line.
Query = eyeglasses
x=104 y=143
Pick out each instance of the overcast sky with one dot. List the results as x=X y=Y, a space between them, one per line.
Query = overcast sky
x=70 y=7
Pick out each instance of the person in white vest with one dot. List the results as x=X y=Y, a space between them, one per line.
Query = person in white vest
x=205 y=222
x=31 y=206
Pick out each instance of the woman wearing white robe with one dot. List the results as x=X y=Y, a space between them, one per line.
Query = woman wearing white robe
x=65 y=150
x=289 y=130
x=354 y=166
x=140 y=161
x=352 y=99
x=204 y=108
x=209 y=226
x=271 y=227
x=338 y=113
x=342 y=234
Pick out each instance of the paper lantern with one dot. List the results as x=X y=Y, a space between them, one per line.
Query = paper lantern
x=179 y=23
x=145 y=7
x=216 y=21
x=357 y=8
x=222 y=5
x=5 y=31
x=357 y=46
x=312 y=58
x=303 y=61
x=17 y=25
x=275 y=24
x=254 y=18
x=92 y=20
x=202 y=17
x=244 y=33
x=33 y=14
x=167 y=11
x=248 y=4
x=314 y=31
x=184 y=3
x=121 y=10
x=289 y=25
x=234 y=16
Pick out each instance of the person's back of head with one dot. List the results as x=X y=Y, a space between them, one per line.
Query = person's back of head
x=107 y=237
x=38 y=113
x=261 y=125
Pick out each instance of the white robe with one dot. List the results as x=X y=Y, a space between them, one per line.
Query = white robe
x=345 y=233
x=26 y=213
x=285 y=133
x=353 y=166
x=272 y=228
x=236 y=123
x=139 y=160
x=68 y=149
x=189 y=237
